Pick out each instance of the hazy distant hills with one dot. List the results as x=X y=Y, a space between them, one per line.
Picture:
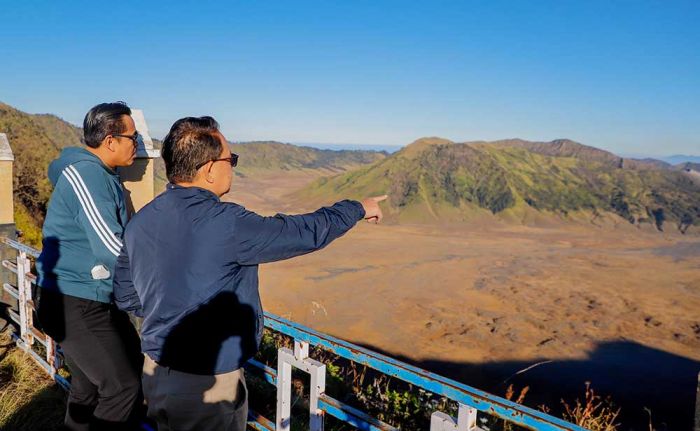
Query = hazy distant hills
x=269 y=156
x=681 y=159
x=434 y=179
x=278 y=156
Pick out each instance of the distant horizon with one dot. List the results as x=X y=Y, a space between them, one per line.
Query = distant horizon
x=391 y=148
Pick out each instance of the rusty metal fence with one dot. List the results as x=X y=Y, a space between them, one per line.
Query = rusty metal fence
x=473 y=403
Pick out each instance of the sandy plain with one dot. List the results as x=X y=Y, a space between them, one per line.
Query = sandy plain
x=482 y=301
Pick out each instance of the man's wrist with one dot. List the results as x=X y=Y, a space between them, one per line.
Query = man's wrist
x=361 y=209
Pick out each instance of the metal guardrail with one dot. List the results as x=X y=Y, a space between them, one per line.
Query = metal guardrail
x=28 y=335
x=21 y=248
x=471 y=401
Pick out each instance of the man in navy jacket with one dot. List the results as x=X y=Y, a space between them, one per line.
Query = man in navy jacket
x=189 y=268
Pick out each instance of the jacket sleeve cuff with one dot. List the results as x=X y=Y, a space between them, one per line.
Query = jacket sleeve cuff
x=360 y=210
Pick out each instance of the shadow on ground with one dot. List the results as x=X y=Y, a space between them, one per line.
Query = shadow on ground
x=45 y=411
x=636 y=377
x=47 y=406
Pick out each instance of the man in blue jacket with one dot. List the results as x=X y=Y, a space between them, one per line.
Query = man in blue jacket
x=82 y=238
x=189 y=267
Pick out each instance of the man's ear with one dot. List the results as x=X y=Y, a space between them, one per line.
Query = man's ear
x=207 y=174
x=107 y=143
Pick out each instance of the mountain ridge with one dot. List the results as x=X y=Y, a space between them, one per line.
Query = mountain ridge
x=431 y=179
x=35 y=140
x=439 y=180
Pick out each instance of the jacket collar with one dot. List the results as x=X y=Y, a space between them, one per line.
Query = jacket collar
x=72 y=155
x=192 y=191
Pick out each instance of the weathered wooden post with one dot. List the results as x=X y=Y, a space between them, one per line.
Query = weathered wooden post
x=138 y=179
x=7 y=218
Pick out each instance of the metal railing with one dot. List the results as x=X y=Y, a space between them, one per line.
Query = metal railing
x=28 y=335
x=472 y=402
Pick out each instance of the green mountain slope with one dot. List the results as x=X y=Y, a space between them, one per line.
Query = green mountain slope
x=35 y=140
x=437 y=180
x=431 y=180
x=60 y=131
x=270 y=155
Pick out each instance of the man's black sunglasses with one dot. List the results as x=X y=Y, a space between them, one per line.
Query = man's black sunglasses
x=134 y=137
x=233 y=160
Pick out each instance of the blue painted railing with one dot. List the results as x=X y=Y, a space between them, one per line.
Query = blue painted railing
x=471 y=401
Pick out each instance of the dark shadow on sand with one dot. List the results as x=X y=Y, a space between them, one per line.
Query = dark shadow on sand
x=633 y=375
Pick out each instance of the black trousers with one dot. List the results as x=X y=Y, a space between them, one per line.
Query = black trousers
x=103 y=353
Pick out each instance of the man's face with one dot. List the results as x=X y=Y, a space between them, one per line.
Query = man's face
x=221 y=171
x=123 y=147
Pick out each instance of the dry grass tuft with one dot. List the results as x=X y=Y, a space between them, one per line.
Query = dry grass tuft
x=29 y=399
x=511 y=391
x=594 y=413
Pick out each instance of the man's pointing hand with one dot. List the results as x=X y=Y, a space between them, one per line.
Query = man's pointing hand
x=372 y=210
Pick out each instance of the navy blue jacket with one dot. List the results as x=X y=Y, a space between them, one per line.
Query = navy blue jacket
x=189 y=267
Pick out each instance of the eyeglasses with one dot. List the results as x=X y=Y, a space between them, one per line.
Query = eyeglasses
x=233 y=160
x=134 y=138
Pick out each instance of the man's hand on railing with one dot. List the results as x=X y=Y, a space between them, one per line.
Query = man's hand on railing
x=372 y=211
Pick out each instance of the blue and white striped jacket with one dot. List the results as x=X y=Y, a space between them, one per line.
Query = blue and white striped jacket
x=83 y=229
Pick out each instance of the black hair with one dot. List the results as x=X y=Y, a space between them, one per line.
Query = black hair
x=102 y=120
x=191 y=142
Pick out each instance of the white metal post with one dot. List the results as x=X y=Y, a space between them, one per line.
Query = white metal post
x=466 y=420
x=318 y=387
x=301 y=350
x=299 y=358
x=24 y=287
x=52 y=356
x=440 y=421
x=284 y=390
x=317 y=371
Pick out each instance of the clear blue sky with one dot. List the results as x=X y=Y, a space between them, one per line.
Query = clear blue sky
x=620 y=75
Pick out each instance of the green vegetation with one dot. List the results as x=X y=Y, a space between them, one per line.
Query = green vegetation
x=36 y=140
x=451 y=181
x=63 y=134
x=28 y=225
x=276 y=156
x=396 y=402
x=388 y=399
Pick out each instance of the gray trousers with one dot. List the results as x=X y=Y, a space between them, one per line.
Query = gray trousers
x=180 y=401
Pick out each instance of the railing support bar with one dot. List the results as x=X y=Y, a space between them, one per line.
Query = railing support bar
x=25 y=294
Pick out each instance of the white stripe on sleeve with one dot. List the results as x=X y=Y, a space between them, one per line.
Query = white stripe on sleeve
x=88 y=213
x=101 y=222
